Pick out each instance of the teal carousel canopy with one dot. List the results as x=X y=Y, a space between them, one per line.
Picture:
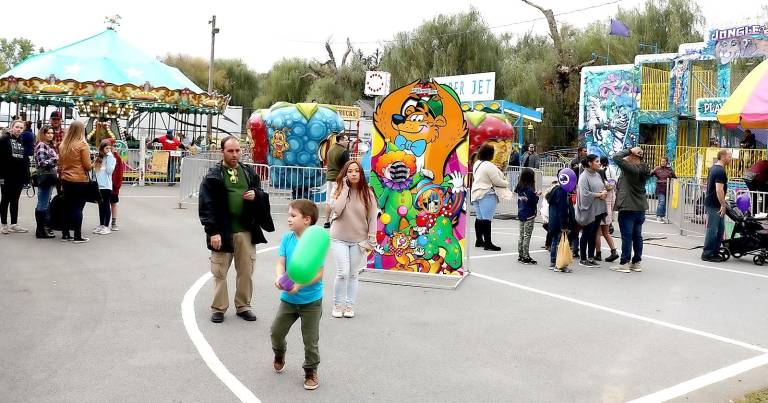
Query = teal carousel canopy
x=105 y=76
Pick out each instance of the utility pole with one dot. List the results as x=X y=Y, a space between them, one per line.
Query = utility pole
x=214 y=31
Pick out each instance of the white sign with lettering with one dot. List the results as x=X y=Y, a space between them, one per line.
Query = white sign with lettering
x=471 y=87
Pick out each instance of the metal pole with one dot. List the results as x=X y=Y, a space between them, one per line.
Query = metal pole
x=214 y=31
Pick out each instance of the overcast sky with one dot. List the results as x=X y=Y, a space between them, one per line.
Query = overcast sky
x=261 y=33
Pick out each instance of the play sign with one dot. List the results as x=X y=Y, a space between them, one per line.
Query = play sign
x=707 y=108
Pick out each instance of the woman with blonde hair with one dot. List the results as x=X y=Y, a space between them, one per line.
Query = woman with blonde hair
x=74 y=164
x=47 y=164
x=353 y=234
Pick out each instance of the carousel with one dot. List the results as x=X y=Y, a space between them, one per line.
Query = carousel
x=120 y=90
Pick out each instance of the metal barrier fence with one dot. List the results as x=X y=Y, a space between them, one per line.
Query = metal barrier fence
x=686 y=209
x=550 y=168
x=283 y=183
x=509 y=207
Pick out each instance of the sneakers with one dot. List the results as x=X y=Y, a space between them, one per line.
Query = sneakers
x=103 y=230
x=114 y=227
x=713 y=259
x=66 y=237
x=563 y=270
x=16 y=228
x=598 y=257
x=337 y=311
x=5 y=229
x=80 y=240
x=622 y=268
x=635 y=267
x=526 y=260
x=613 y=256
x=349 y=312
x=588 y=263
x=97 y=229
x=310 y=379
x=278 y=364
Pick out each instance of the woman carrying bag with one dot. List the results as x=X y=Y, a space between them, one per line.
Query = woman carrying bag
x=75 y=164
x=353 y=234
x=47 y=163
x=488 y=186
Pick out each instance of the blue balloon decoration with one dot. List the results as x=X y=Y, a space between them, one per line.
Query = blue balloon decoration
x=423 y=240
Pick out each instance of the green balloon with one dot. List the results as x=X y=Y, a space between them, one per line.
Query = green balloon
x=309 y=255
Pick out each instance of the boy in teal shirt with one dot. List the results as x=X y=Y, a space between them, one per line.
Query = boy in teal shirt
x=301 y=301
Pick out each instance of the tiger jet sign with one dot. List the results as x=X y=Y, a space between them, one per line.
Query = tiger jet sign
x=471 y=87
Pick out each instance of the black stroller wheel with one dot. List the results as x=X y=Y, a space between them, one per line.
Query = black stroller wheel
x=759 y=260
x=725 y=253
x=737 y=255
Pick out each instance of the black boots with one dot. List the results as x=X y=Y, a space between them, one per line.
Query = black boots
x=479 y=235
x=41 y=231
x=484 y=227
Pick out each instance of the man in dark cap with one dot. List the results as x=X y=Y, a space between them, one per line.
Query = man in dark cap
x=58 y=131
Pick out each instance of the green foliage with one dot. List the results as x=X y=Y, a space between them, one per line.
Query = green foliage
x=230 y=76
x=14 y=51
x=289 y=80
x=446 y=45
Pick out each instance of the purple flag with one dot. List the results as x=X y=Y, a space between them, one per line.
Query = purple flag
x=619 y=29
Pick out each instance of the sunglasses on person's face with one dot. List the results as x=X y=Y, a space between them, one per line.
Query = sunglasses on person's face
x=232 y=175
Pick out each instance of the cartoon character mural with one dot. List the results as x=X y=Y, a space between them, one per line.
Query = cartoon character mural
x=419 y=166
x=608 y=108
x=734 y=43
x=294 y=133
x=496 y=130
x=257 y=125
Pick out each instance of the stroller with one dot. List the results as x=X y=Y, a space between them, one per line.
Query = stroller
x=749 y=236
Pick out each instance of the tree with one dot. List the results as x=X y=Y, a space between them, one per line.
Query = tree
x=287 y=81
x=196 y=69
x=13 y=51
x=446 y=45
x=241 y=83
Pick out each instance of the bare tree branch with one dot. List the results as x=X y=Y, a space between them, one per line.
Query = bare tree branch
x=348 y=51
x=331 y=59
x=553 y=31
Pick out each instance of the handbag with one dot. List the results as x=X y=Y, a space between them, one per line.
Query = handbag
x=564 y=253
x=44 y=178
x=92 y=193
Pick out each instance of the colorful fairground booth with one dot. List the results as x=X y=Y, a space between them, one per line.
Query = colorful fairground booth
x=668 y=103
x=116 y=89
x=424 y=136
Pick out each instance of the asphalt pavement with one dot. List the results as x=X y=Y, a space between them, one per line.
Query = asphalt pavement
x=102 y=321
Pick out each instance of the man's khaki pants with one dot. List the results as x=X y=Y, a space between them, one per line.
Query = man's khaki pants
x=245 y=257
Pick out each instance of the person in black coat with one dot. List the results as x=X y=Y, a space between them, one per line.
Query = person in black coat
x=234 y=210
x=14 y=174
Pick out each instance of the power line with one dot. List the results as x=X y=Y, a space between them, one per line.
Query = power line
x=471 y=30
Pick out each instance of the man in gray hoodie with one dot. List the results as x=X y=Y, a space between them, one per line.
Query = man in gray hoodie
x=631 y=204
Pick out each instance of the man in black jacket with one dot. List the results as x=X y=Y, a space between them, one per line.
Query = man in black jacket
x=233 y=210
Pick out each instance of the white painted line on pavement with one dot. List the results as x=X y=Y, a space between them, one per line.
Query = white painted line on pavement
x=204 y=349
x=703 y=266
x=704 y=380
x=624 y=313
x=746 y=273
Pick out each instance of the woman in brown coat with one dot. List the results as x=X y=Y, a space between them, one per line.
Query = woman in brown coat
x=74 y=164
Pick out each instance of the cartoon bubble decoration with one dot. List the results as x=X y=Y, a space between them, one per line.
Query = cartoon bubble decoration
x=385 y=219
x=423 y=240
x=744 y=202
x=567 y=179
x=294 y=132
x=402 y=210
x=257 y=126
